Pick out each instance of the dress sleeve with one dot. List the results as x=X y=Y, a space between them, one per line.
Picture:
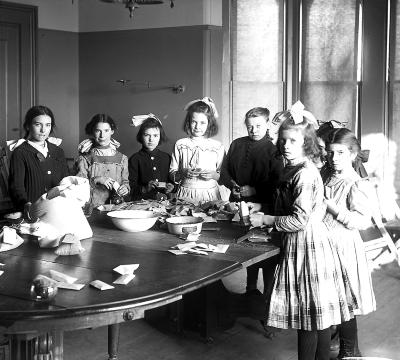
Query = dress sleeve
x=125 y=172
x=303 y=190
x=220 y=160
x=133 y=177
x=226 y=178
x=359 y=210
x=174 y=165
x=82 y=166
x=16 y=179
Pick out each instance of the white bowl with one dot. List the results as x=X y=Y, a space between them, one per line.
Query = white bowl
x=133 y=220
x=184 y=225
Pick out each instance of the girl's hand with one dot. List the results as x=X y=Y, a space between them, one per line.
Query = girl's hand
x=331 y=206
x=254 y=207
x=208 y=175
x=106 y=181
x=169 y=188
x=247 y=191
x=151 y=185
x=257 y=219
x=123 y=190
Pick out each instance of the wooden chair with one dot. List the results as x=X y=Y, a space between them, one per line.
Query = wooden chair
x=379 y=245
x=5 y=201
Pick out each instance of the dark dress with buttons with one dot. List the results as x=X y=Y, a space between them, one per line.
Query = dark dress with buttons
x=253 y=163
x=32 y=174
x=145 y=166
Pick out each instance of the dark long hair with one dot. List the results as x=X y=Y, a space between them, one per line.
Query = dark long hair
x=151 y=123
x=99 y=118
x=35 y=111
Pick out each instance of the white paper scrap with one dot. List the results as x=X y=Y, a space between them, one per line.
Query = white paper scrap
x=9 y=235
x=1 y=264
x=67 y=286
x=221 y=248
x=186 y=246
x=124 y=279
x=58 y=276
x=101 y=285
x=1 y=272
x=189 y=237
x=177 y=252
x=126 y=269
x=194 y=251
x=116 y=185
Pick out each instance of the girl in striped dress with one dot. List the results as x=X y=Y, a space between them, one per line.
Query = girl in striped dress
x=311 y=290
x=348 y=212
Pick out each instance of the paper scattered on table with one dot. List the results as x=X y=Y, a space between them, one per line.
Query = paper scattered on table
x=63 y=278
x=9 y=239
x=124 y=279
x=221 y=248
x=177 y=252
x=189 y=237
x=255 y=235
x=67 y=286
x=197 y=248
x=101 y=285
x=126 y=269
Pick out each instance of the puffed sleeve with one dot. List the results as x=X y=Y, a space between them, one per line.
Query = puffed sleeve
x=175 y=160
x=303 y=188
x=16 y=179
x=82 y=166
x=359 y=208
x=125 y=172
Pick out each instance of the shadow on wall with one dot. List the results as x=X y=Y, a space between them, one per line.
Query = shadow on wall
x=382 y=170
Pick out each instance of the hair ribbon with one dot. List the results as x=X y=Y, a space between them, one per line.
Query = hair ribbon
x=299 y=114
x=13 y=144
x=138 y=120
x=206 y=100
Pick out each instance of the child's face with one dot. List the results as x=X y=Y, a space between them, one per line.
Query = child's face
x=292 y=144
x=151 y=138
x=40 y=128
x=198 y=124
x=256 y=127
x=102 y=133
x=340 y=157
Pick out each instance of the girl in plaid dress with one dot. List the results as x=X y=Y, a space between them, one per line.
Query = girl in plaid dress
x=311 y=290
x=349 y=211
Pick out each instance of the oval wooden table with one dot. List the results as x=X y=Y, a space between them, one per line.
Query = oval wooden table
x=161 y=278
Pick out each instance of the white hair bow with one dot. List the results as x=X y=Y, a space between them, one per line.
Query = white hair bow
x=298 y=114
x=13 y=144
x=85 y=145
x=138 y=120
x=206 y=100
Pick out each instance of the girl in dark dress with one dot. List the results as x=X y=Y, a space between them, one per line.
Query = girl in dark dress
x=37 y=163
x=149 y=167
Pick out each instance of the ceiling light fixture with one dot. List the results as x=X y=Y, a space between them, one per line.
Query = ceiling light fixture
x=131 y=5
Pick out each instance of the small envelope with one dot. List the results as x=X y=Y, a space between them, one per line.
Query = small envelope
x=126 y=269
x=101 y=285
x=177 y=252
x=124 y=279
x=67 y=286
x=221 y=248
x=62 y=278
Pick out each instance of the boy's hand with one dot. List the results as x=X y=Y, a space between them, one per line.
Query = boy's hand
x=254 y=207
x=247 y=190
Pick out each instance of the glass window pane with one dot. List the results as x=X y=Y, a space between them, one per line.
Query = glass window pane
x=257 y=58
x=329 y=59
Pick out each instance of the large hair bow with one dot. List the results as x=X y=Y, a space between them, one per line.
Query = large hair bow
x=85 y=146
x=299 y=114
x=13 y=144
x=138 y=120
x=206 y=100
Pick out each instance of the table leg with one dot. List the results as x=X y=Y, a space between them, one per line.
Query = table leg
x=113 y=341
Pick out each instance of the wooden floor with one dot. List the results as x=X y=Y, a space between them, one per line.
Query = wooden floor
x=379 y=334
